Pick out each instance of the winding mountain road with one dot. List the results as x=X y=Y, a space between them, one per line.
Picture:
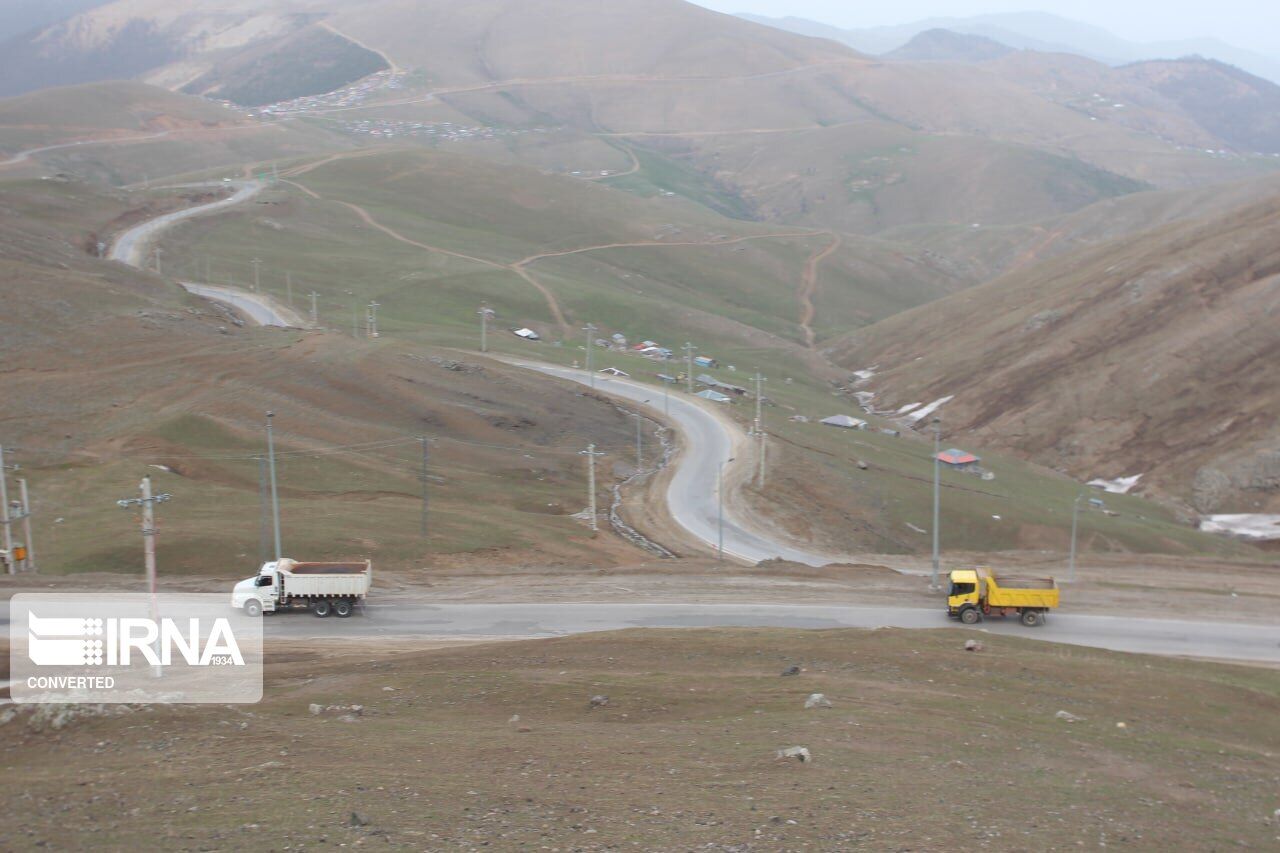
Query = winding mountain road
x=710 y=440
x=131 y=247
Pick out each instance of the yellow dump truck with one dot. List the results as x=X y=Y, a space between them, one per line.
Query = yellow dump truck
x=977 y=593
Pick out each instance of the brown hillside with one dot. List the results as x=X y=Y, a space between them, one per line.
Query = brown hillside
x=532 y=39
x=1150 y=355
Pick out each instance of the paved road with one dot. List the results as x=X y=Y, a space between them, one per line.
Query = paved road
x=23 y=156
x=692 y=495
x=261 y=310
x=132 y=246
x=465 y=620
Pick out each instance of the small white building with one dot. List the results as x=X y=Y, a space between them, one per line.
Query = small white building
x=845 y=422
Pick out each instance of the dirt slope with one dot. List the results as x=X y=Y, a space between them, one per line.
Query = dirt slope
x=1149 y=355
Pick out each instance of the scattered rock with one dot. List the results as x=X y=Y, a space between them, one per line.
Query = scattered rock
x=358 y=819
x=8 y=716
x=599 y=701
x=315 y=709
x=1121 y=725
x=515 y=718
x=791 y=670
x=799 y=753
x=1068 y=716
x=972 y=646
x=816 y=700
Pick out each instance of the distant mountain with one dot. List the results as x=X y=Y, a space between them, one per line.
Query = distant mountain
x=166 y=42
x=1035 y=31
x=25 y=16
x=1241 y=109
x=949 y=46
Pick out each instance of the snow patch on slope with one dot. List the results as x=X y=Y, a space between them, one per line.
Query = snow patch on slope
x=1253 y=526
x=1118 y=486
x=920 y=414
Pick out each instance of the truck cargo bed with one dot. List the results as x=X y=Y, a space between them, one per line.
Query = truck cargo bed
x=327 y=568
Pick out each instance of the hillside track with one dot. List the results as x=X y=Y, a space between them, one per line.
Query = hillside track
x=809 y=288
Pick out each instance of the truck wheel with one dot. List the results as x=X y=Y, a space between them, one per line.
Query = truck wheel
x=970 y=616
x=1030 y=618
x=342 y=608
x=321 y=608
x=253 y=608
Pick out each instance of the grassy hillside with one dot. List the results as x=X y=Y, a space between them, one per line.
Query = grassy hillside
x=548 y=251
x=120 y=374
x=737 y=301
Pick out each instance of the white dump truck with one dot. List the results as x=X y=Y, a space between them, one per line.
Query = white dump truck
x=322 y=588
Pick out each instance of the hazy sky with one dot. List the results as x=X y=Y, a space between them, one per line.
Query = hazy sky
x=1253 y=24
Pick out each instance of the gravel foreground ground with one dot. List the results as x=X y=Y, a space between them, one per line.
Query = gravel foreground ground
x=670 y=740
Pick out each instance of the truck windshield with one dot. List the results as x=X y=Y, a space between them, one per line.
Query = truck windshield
x=962 y=588
x=265 y=580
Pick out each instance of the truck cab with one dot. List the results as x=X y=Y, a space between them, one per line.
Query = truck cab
x=259 y=593
x=963 y=591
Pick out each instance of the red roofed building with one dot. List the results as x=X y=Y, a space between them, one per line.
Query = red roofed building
x=959 y=459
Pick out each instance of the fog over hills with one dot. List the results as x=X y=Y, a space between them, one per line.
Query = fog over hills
x=1037 y=31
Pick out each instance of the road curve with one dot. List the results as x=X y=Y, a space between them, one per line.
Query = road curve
x=1253 y=643
x=261 y=310
x=709 y=438
x=130 y=247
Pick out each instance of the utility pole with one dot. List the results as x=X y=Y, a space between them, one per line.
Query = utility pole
x=355 y=319
x=423 y=476
x=720 y=511
x=288 y=288
x=315 y=312
x=275 y=497
x=758 y=428
x=689 y=350
x=148 y=502
x=591 y=453
x=937 y=496
x=4 y=512
x=764 y=447
x=264 y=513
x=485 y=313
x=257 y=274
x=590 y=329
x=1075 y=526
x=158 y=252
x=371 y=320
x=29 y=562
